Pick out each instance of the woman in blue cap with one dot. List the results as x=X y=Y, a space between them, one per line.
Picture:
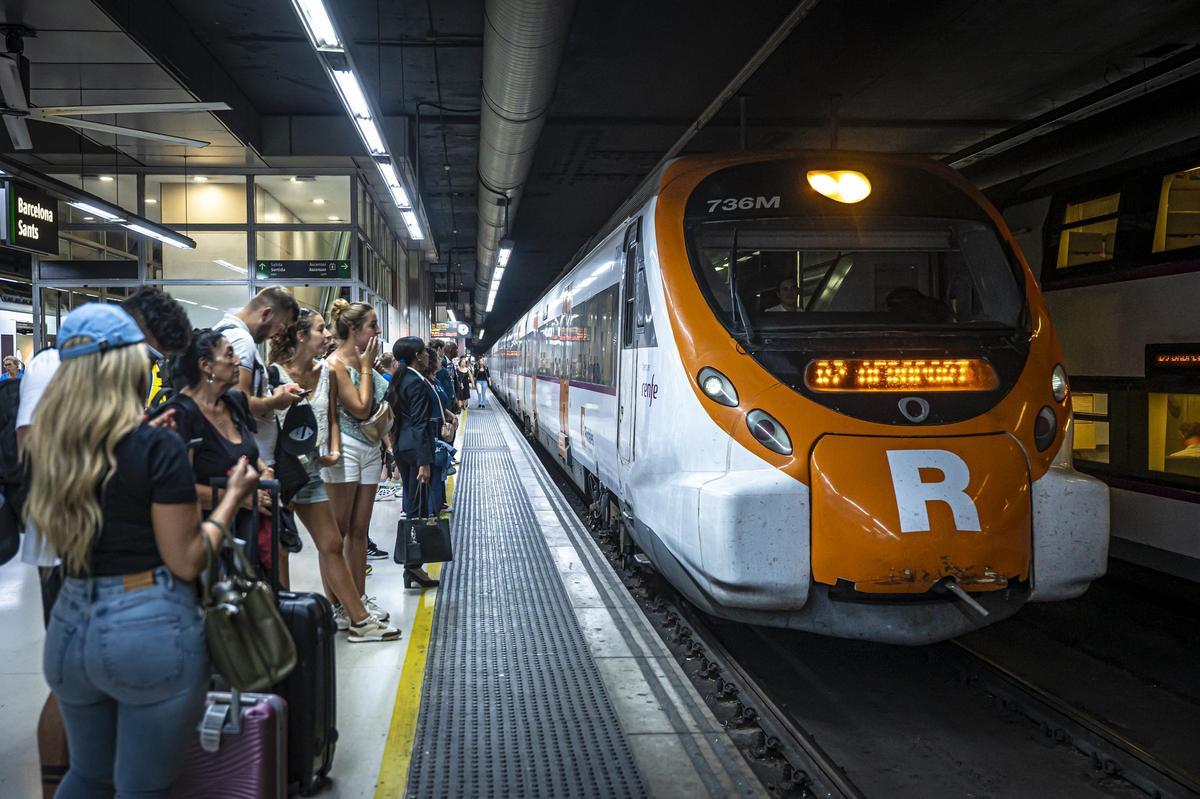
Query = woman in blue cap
x=125 y=652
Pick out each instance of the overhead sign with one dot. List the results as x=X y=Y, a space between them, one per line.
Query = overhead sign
x=31 y=221
x=302 y=270
x=450 y=329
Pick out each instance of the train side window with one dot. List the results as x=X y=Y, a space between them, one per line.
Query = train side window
x=1088 y=231
x=1091 y=426
x=1174 y=434
x=1178 y=223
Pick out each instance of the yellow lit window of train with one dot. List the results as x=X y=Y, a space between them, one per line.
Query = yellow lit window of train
x=1091 y=426
x=1178 y=223
x=1089 y=230
x=1174 y=434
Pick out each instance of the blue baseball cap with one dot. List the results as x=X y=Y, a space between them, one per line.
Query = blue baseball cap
x=106 y=326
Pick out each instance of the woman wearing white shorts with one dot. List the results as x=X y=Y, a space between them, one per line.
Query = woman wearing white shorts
x=358 y=390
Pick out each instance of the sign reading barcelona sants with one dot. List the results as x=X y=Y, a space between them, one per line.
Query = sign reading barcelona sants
x=31 y=221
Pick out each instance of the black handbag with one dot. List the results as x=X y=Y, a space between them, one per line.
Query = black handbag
x=425 y=539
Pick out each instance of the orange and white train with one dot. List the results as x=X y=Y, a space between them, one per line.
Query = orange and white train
x=824 y=393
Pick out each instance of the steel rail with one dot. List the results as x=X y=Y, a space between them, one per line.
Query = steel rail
x=826 y=777
x=1110 y=750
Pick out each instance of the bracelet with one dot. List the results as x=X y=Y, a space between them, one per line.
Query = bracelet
x=220 y=527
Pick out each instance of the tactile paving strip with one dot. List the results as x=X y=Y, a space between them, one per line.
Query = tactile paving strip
x=513 y=703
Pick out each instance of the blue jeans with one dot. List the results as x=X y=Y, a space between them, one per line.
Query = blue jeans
x=481 y=387
x=130 y=671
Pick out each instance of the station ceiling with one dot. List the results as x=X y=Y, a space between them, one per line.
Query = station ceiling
x=935 y=76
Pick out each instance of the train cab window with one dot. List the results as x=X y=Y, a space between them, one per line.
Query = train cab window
x=1174 y=434
x=1091 y=426
x=783 y=274
x=1178 y=223
x=1088 y=232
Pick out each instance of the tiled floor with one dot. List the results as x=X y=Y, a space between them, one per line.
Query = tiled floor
x=367 y=673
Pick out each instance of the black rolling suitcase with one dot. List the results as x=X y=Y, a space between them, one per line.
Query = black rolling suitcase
x=311 y=689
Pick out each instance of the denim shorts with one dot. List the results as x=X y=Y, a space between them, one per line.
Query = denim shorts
x=314 y=490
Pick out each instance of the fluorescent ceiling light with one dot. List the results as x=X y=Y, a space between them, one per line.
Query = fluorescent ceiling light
x=209 y=307
x=414 y=227
x=318 y=200
x=352 y=93
x=388 y=172
x=335 y=219
x=450 y=313
x=151 y=201
x=371 y=136
x=106 y=178
x=317 y=24
x=185 y=302
x=504 y=253
x=200 y=179
x=154 y=234
x=100 y=212
x=227 y=265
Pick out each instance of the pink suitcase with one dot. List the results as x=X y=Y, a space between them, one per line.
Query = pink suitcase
x=240 y=751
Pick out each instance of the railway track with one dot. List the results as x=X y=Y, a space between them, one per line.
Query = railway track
x=796 y=758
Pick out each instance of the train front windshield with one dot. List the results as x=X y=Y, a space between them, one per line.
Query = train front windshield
x=839 y=274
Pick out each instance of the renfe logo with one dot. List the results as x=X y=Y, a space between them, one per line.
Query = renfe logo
x=912 y=494
x=650 y=391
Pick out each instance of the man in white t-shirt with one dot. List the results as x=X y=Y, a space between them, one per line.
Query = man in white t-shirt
x=268 y=314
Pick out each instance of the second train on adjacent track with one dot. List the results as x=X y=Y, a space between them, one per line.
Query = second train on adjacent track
x=822 y=391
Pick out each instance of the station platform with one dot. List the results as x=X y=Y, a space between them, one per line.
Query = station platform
x=529 y=672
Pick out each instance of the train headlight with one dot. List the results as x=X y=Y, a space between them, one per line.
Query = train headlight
x=1045 y=428
x=717 y=387
x=769 y=432
x=1058 y=383
x=842 y=185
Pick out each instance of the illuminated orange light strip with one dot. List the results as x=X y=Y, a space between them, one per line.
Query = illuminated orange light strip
x=959 y=374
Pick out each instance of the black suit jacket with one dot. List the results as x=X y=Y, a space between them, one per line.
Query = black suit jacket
x=409 y=398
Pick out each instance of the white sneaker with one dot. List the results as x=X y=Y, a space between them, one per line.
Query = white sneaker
x=373 y=609
x=372 y=629
x=341 y=618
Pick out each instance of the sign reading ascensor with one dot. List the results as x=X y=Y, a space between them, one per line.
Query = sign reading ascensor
x=32 y=219
x=302 y=270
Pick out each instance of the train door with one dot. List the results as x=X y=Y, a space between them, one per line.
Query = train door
x=628 y=377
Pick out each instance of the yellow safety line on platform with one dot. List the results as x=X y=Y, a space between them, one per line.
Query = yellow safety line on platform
x=397 y=752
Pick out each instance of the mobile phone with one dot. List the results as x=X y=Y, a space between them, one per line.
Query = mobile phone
x=305 y=393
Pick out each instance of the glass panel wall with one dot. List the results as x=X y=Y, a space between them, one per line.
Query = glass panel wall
x=302 y=199
x=117 y=189
x=302 y=245
x=218 y=256
x=196 y=199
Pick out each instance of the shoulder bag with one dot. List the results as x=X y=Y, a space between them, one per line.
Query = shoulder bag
x=425 y=539
x=248 y=642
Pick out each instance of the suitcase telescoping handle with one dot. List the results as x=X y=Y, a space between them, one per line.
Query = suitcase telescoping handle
x=271 y=486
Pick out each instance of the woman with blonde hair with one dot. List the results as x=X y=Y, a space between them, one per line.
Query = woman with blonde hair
x=125 y=652
x=358 y=392
x=294 y=352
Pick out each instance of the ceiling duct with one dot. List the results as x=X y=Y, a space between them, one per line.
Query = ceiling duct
x=523 y=46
